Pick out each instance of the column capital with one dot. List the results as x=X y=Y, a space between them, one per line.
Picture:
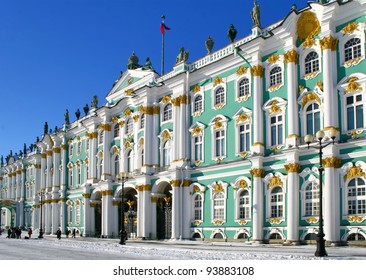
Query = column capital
x=257 y=70
x=291 y=56
x=292 y=167
x=331 y=162
x=329 y=43
x=257 y=172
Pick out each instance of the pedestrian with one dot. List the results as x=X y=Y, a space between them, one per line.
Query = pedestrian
x=30 y=233
x=9 y=232
x=58 y=234
x=73 y=233
x=67 y=233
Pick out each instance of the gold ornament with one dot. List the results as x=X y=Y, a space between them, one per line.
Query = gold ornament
x=329 y=43
x=310 y=97
x=292 y=167
x=218 y=188
x=166 y=135
x=355 y=171
x=353 y=85
x=331 y=162
x=291 y=56
x=242 y=184
x=273 y=58
x=129 y=92
x=257 y=172
x=309 y=42
x=307 y=25
x=275 y=181
x=196 y=131
x=217 y=80
x=274 y=108
x=127 y=112
x=257 y=70
x=350 y=28
x=241 y=70
x=196 y=88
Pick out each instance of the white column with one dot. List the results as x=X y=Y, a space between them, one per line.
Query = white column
x=175 y=211
x=43 y=168
x=291 y=58
x=154 y=201
x=140 y=212
x=186 y=213
x=106 y=153
x=257 y=230
x=258 y=125
x=136 y=146
x=155 y=131
x=292 y=202
x=146 y=205
x=93 y=138
x=329 y=46
x=176 y=129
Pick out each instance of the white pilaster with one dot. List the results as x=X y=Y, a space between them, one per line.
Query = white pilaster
x=258 y=138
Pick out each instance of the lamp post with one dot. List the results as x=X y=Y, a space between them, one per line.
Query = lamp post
x=320 y=241
x=41 y=192
x=123 y=177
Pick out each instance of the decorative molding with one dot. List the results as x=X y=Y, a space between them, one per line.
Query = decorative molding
x=307 y=25
x=328 y=43
x=331 y=162
x=57 y=150
x=242 y=222
x=291 y=56
x=105 y=126
x=127 y=112
x=257 y=70
x=312 y=220
x=275 y=181
x=275 y=221
x=310 y=97
x=218 y=188
x=274 y=108
x=273 y=58
x=107 y=192
x=43 y=155
x=49 y=153
x=355 y=171
x=356 y=219
x=353 y=85
x=217 y=81
x=257 y=172
x=242 y=118
x=196 y=88
x=197 y=222
x=350 y=28
x=166 y=135
x=241 y=71
x=129 y=92
x=293 y=167
x=86 y=195
x=166 y=99
x=309 y=42
x=218 y=222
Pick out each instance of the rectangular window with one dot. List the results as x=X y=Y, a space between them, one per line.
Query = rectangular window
x=220 y=143
x=244 y=138
x=198 y=148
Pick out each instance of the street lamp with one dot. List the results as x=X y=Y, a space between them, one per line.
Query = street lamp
x=320 y=241
x=41 y=193
x=123 y=177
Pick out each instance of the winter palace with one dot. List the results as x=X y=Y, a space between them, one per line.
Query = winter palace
x=214 y=149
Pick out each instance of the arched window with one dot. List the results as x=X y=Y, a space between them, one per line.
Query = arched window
x=168 y=112
x=275 y=76
x=311 y=200
x=116 y=165
x=129 y=161
x=129 y=126
x=219 y=96
x=116 y=130
x=312 y=119
x=311 y=63
x=352 y=49
x=69 y=214
x=354 y=106
x=71 y=150
x=244 y=89
x=78 y=149
x=356 y=197
x=71 y=177
x=198 y=105
x=79 y=175
x=198 y=207
x=142 y=121
x=218 y=206
x=166 y=153
x=356 y=237
x=244 y=205
x=277 y=203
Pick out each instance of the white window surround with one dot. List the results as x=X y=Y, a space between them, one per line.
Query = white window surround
x=311 y=180
x=237 y=88
x=356 y=82
x=218 y=123
x=214 y=90
x=359 y=32
x=197 y=105
x=201 y=190
x=216 y=187
x=242 y=116
x=303 y=53
x=268 y=68
x=162 y=108
x=237 y=191
x=142 y=121
x=275 y=107
x=268 y=179
x=197 y=129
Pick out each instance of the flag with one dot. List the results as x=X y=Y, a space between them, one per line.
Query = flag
x=163 y=27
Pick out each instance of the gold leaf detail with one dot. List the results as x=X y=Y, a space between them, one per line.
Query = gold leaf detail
x=312 y=220
x=275 y=181
x=331 y=162
x=243 y=184
x=307 y=25
x=273 y=58
x=257 y=173
x=218 y=80
x=310 y=97
x=355 y=171
x=292 y=167
x=218 y=188
x=196 y=130
x=350 y=28
x=241 y=70
x=257 y=70
x=274 y=108
x=196 y=88
x=291 y=56
x=166 y=135
x=127 y=112
x=353 y=85
x=129 y=92
x=309 y=42
x=329 y=43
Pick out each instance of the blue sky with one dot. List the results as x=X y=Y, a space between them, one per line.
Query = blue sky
x=57 y=54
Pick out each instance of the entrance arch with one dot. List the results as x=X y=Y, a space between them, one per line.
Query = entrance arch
x=129 y=210
x=164 y=211
x=96 y=211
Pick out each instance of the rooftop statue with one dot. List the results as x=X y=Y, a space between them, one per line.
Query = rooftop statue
x=77 y=114
x=231 y=33
x=67 y=119
x=133 y=62
x=256 y=14
x=94 y=102
x=25 y=149
x=209 y=44
x=182 y=56
x=148 y=65
x=86 y=109
x=45 y=129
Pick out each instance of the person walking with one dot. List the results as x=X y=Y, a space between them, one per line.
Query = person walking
x=73 y=233
x=9 y=232
x=30 y=233
x=58 y=234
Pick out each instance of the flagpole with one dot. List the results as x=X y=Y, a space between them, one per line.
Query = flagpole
x=162 y=47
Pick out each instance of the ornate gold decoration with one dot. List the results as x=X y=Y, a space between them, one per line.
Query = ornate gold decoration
x=307 y=25
x=141 y=142
x=350 y=28
x=49 y=153
x=329 y=43
x=275 y=221
x=242 y=118
x=115 y=150
x=312 y=220
x=301 y=88
x=257 y=172
x=242 y=184
x=196 y=130
x=352 y=62
x=166 y=99
x=242 y=222
x=100 y=154
x=310 y=97
x=274 y=108
x=175 y=183
x=105 y=126
x=291 y=56
x=353 y=85
x=130 y=203
x=129 y=92
x=121 y=123
x=136 y=118
x=197 y=162
x=196 y=88
x=218 y=222
x=309 y=42
x=356 y=219
x=355 y=133
x=332 y=162
x=196 y=189
x=217 y=80
x=243 y=154
x=177 y=101
x=128 y=144
x=292 y=167
x=217 y=122
x=274 y=87
x=43 y=155
x=275 y=181
x=355 y=171
x=167 y=199
x=146 y=110
x=115 y=119
x=197 y=222
x=257 y=70
x=107 y=192
x=241 y=70
x=57 y=150
x=156 y=110
x=273 y=58
x=218 y=188
x=127 y=112
x=86 y=195
x=311 y=75
x=155 y=199
x=166 y=135
x=38 y=166
x=320 y=85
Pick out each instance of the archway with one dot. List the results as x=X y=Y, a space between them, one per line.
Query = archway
x=97 y=205
x=164 y=211
x=130 y=212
